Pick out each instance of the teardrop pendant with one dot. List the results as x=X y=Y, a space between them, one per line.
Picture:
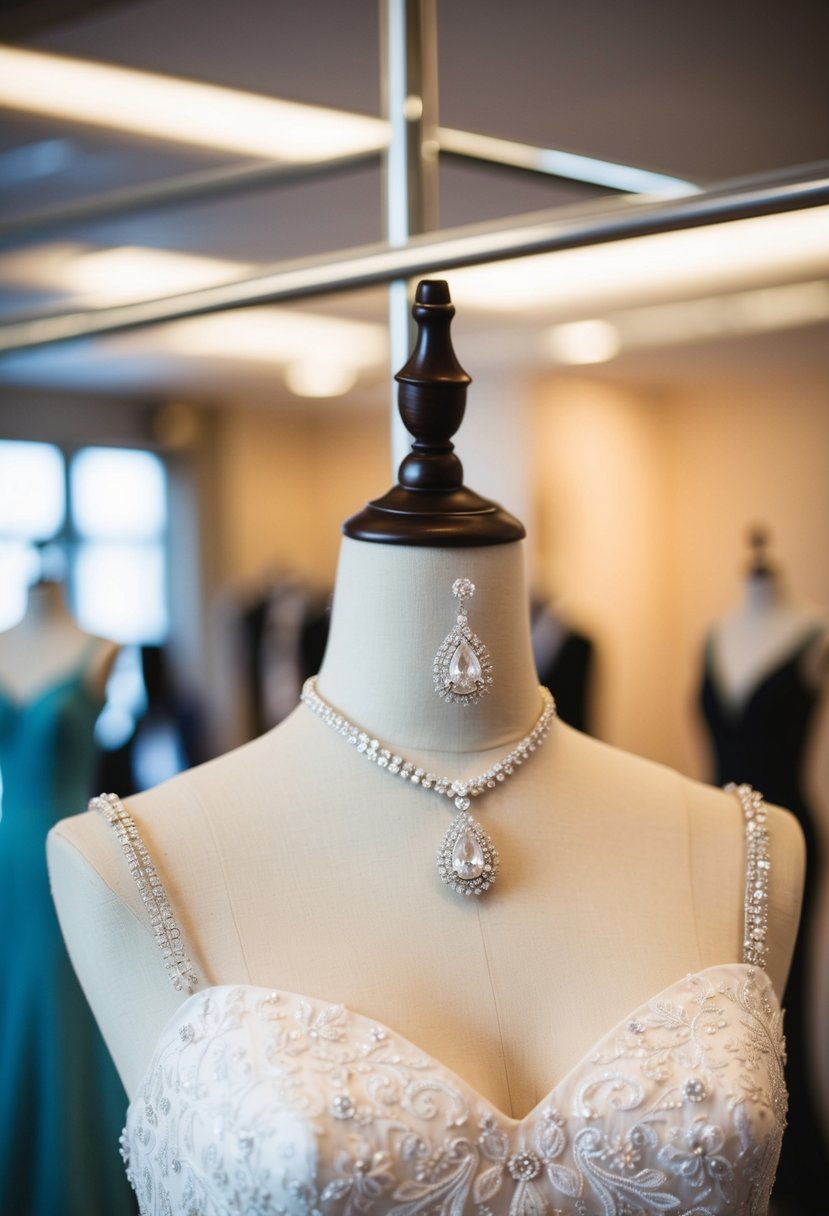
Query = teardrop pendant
x=462 y=669
x=467 y=858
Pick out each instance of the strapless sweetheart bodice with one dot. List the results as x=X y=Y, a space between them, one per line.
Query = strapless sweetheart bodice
x=268 y=1102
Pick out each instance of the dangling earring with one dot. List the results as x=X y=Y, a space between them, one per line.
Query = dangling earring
x=462 y=668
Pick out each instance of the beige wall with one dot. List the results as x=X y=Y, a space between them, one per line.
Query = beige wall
x=286 y=482
x=642 y=506
x=599 y=535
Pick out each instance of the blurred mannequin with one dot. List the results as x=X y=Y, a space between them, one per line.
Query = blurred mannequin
x=765 y=673
x=47 y=644
x=769 y=626
x=564 y=659
x=291 y=863
x=53 y=1064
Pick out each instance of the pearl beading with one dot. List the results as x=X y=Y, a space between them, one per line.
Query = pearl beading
x=151 y=889
x=758 y=864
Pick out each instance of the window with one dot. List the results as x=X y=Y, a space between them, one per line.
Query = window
x=32 y=508
x=106 y=510
x=119 y=510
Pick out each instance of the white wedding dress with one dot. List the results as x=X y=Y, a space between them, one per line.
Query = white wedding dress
x=260 y=1102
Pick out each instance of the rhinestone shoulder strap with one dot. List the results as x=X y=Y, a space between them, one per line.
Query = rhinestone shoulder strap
x=167 y=932
x=758 y=863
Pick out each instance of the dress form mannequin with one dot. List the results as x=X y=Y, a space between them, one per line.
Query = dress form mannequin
x=764 y=628
x=60 y=1097
x=292 y=863
x=47 y=642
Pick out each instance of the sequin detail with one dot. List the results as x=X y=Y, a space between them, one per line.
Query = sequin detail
x=278 y=1104
x=758 y=864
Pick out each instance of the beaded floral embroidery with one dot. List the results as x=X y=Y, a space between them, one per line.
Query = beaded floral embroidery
x=270 y=1103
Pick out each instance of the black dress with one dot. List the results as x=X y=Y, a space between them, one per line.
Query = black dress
x=763 y=741
x=564 y=660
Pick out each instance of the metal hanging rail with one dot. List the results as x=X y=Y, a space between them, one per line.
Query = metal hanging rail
x=408 y=73
x=555 y=162
x=351 y=269
x=188 y=188
x=226 y=180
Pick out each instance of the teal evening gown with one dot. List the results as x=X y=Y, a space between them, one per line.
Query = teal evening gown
x=61 y=1101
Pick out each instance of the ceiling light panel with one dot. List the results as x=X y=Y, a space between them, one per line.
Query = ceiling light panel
x=671 y=265
x=274 y=335
x=187 y=112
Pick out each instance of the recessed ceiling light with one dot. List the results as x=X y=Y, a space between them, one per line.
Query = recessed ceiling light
x=276 y=335
x=319 y=378
x=593 y=341
x=134 y=272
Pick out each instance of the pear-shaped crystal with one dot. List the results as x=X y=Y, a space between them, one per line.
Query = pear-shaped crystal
x=465 y=669
x=467 y=855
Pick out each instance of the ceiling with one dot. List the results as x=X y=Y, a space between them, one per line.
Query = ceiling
x=707 y=92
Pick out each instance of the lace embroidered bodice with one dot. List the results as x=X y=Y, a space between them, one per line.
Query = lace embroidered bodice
x=264 y=1102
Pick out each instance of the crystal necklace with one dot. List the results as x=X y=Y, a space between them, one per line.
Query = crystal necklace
x=467 y=859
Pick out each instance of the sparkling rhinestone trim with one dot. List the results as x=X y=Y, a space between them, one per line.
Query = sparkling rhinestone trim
x=480 y=875
x=459 y=792
x=463 y=589
x=445 y=686
x=455 y=686
x=758 y=864
x=167 y=932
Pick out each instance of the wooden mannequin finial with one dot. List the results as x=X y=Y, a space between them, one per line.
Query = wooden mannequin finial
x=430 y=505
